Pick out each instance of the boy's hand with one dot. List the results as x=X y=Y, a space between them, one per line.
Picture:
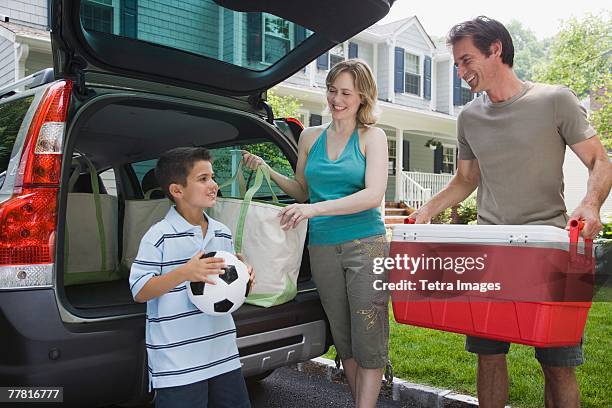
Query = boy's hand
x=250 y=269
x=198 y=268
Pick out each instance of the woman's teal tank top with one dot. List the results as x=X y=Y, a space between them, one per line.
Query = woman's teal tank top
x=332 y=179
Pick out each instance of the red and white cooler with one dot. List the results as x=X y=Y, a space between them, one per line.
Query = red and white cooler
x=522 y=284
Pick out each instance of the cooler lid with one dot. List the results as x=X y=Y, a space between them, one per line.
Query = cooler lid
x=509 y=234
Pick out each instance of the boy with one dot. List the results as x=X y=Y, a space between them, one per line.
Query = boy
x=193 y=357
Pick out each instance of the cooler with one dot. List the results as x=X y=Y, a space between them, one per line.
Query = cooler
x=534 y=287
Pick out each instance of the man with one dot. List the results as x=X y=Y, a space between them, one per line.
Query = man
x=511 y=146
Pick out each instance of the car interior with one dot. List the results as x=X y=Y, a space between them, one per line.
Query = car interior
x=122 y=138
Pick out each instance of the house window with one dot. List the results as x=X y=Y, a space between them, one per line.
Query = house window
x=448 y=159
x=336 y=55
x=97 y=15
x=466 y=94
x=412 y=74
x=392 y=156
x=315 y=120
x=277 y=38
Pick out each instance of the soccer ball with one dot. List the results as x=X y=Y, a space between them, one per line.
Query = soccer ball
x=229 y=292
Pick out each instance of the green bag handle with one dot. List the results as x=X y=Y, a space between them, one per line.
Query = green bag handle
x=95 y=188
x=242 y=183
x=236 y=176
x=262 y=173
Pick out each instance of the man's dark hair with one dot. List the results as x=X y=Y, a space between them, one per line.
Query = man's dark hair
x=484 y=31
x=174 y=166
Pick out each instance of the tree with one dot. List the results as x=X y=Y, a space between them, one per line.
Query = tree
x=581 y=59
x=528 y=51
x=283 y=106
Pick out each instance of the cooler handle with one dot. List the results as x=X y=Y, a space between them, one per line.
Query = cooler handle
x=576 y=225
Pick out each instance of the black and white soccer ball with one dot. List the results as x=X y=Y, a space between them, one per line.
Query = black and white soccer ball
x=230 y=290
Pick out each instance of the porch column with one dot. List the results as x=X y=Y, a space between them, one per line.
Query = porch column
x=399 y=160
x=21 y=55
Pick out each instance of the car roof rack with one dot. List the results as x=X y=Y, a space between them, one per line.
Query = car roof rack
x=31 y=81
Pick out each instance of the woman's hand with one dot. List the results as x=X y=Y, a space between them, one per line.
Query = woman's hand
x=252 y=161
x=293 y=214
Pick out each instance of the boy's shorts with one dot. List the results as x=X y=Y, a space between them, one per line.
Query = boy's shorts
x=358 y=314
x=223 y=391
x=570 y=356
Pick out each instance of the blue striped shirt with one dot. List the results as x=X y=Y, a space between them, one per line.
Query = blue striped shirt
x=183 y=344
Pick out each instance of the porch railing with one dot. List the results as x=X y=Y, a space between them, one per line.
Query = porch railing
x=435 y=182
x=418 y=187
x=412 y=193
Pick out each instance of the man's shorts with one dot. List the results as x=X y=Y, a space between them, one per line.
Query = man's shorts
x=570 y=356
x=358 y=314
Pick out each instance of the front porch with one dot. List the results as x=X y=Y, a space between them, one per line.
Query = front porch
x=416 y=188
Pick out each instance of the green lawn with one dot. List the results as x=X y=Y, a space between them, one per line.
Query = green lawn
x=437 y=358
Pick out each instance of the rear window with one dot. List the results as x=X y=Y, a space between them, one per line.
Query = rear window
x=250 y=40
x=225 y=163
x=11 y=116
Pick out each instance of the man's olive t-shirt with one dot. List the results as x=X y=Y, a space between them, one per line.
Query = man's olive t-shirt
x=520 y=148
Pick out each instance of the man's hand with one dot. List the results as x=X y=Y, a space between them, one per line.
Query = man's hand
x=250 y=270
x=199 y=269
x=421 y=216
x=589 y=214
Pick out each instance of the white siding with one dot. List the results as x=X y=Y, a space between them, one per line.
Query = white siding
x=32 y=13
x=300 y=78
x=442 y=86
x=576 y=177
x=412 y=41
x=382 y=76
x=7 y=62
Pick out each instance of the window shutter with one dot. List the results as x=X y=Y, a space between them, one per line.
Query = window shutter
x=323 y=61
x=427 y=76
x=456 y=87
x=128 y=18
x=254 y=36
x=399 y=69
x=315 y=120
x=438 y=158
x=406 y=156
x=353 y=50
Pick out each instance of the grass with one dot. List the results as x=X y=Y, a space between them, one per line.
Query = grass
x=438 y=358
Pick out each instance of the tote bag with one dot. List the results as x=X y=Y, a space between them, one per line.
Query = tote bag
x=90 y=250
x=275 y=254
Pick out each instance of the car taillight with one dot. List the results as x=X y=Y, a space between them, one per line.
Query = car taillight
x=28 y=219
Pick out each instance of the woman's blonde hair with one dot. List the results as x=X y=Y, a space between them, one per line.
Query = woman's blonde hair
x=368 y=112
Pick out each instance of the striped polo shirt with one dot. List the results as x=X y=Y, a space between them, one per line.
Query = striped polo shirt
x=183 y=344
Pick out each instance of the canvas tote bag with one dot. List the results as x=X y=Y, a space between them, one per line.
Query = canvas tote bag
x=275 y=254
x=90 y=249
x=140 y=215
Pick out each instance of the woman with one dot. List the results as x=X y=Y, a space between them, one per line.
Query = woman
x=342 y=170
